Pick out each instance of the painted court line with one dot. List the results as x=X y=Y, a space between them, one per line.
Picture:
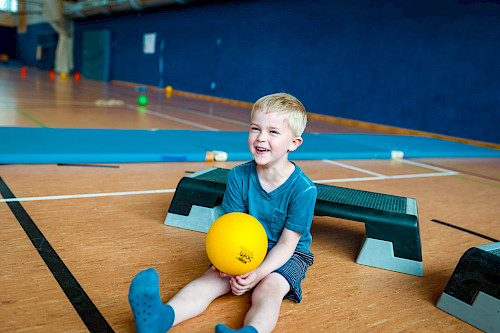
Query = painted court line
x=211 y=116
x=187 y=122
x=91 y=195
x=340 y=180
x=466 y=230
x=81 y=302
x=470 y=173
x=27 y=116
x=51 y=102
x=377 y=176
x=423 y=175
x=427 y=166
x=443 y=172
x=355 y=168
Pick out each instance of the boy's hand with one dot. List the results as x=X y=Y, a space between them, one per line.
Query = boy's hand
x=222 y=274
x=240 y=284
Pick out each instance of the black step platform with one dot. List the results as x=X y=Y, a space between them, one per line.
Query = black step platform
x=392 y=238
x=473 y=291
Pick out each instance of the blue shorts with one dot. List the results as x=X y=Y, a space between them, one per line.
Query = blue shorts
x=294 y=271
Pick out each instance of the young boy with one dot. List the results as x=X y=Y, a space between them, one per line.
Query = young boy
x=276 y=192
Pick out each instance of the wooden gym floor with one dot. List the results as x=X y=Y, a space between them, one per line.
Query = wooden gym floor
x=105 y=231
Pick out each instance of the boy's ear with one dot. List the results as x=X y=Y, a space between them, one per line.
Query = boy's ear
x=296 y=142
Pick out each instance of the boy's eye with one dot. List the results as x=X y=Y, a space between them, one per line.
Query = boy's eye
x=254 y=129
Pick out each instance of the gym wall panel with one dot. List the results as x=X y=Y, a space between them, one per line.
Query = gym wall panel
x=414 y=64
x=96 y=54
x=27 y=44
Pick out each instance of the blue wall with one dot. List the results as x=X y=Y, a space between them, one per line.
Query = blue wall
x=37 y=34
x=414 y=65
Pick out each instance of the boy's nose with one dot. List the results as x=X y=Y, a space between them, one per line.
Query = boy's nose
x=261 y=137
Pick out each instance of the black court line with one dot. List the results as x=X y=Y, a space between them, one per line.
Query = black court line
x=88 y=165
x=83 y=305
x=466 y=230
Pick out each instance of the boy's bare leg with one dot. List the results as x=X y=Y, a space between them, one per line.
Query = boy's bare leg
x=196 y=296
x=266 y=303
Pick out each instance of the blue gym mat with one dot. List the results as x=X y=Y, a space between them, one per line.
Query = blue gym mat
x=33 y=145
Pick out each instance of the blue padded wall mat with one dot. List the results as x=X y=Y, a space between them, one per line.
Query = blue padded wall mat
x=32 y=145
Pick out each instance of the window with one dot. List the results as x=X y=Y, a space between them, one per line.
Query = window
x=8 y=5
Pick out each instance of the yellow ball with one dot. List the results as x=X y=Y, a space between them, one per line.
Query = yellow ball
x=236 y=243
x=168 y=91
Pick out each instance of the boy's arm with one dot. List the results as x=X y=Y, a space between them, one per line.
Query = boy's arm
x=280 y=253
x=277 y=257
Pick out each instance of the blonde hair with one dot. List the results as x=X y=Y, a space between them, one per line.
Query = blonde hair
x=286 y=105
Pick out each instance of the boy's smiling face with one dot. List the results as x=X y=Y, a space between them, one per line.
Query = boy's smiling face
x=270 y=139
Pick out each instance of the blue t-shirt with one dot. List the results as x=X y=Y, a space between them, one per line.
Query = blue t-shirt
x=289 y=206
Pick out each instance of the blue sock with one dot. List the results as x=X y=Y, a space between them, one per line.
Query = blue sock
x=150 y=314
x=221 y=328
